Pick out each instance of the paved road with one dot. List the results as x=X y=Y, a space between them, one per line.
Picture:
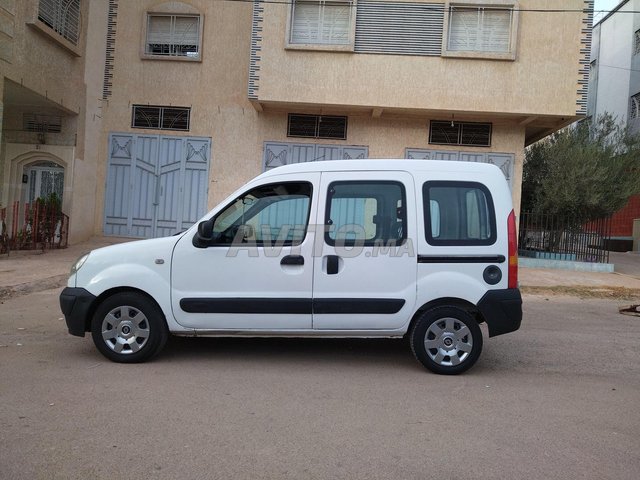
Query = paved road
x=627 y=263
x=556 y=400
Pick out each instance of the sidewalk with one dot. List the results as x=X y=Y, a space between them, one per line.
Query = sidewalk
x=25 y=271
x=28 y=271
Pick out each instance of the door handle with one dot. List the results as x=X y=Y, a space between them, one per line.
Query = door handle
x=333 y=264
x=292 y=260
x=156 y=200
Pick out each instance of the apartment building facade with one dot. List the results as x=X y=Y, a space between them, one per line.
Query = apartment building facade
x=167 y=107
x=614 y=88
x=614 y=83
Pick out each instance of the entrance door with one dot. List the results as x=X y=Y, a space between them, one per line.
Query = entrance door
x=156 y=185
x=365 y=276
x=43 y=180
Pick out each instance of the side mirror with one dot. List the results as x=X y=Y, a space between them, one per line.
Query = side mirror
x=203 y=238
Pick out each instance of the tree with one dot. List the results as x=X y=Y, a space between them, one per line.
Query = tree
x=584 y=172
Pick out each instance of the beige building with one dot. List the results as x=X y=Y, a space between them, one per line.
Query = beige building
x=143 y=114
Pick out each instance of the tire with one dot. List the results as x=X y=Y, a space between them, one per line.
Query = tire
x=129 y=327
x=446 y=340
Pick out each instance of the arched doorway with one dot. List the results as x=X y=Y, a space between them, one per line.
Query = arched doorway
x=33 y=176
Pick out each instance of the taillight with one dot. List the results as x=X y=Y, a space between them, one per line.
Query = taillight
x=513 y=251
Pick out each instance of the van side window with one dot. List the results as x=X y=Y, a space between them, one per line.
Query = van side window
x=366 y=213
x=267 y=215
x=458 y=213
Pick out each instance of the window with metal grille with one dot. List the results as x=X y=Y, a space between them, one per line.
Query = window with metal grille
x=480 y=29
x=173 y=35
x=320 y=22
x=636 y=42
x=317 y=126
x=160 y=118
x=634 y=107
x=460 y=133
x=63 y=16
x=33 y=122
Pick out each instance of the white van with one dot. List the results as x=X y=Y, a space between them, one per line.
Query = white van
x=375 y=248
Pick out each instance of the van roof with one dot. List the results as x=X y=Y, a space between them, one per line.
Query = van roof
x=375 y=164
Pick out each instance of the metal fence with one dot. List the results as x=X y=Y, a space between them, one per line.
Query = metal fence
x=558 y=237
x=38 y=225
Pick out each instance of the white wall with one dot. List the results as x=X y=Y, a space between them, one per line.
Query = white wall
x=612 y=47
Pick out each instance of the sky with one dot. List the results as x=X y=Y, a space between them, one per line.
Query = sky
x=603 y=5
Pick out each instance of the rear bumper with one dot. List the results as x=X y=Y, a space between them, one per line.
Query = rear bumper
x=76 y=304
x=502 y=310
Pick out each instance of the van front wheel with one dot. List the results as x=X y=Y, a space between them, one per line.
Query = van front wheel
x=446 y=340
x=129 y=328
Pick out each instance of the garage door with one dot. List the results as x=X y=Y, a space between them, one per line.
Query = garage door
x=502 y=160
x=277 y=154
x=156 y=185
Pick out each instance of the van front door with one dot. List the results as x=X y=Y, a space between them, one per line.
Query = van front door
x=365 y=276
x=257 y=270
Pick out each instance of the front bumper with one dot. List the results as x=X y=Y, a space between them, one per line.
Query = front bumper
x=76 y=304
x=502 y=310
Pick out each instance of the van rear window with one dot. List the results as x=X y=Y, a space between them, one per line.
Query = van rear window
x=458 y=213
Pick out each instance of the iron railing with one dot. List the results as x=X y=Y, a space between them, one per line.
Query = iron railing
x=38 y=225
x=557 y=237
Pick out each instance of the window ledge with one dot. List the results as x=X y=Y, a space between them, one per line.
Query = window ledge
x=171 y=58
x=320 y=47
x=505 y=56
x=45 y=29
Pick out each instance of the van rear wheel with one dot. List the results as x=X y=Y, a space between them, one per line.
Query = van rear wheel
x=129 y=328
x=446 y=340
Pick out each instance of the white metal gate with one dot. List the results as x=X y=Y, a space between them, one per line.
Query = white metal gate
x=156 y=184
x=44 y=181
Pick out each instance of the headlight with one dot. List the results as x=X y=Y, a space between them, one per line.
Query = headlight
x=78 y=263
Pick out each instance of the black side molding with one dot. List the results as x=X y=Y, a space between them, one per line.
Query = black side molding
x=357 y=305
x=247 y=305
x=292 y=305
x=461 y=259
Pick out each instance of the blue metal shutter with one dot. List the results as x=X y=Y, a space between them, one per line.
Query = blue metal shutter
x=194 y=187
x=156 y=185
x=417 y=154
x=328 y=152
x=277 y=154
x=302 y=152
x=352 y=153
x=504 y=161
x=143 y=187
x=444 y=155
x=118 y=185
x=169 y=195
x=473 y=157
